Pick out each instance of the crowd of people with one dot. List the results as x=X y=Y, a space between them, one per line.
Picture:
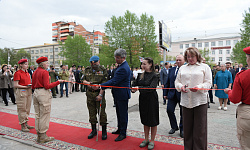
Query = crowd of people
x=186 y=83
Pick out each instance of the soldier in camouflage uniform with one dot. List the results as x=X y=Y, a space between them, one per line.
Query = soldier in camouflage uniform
x=96 y=74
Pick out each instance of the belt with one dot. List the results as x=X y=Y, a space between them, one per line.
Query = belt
x=94 y=90
x=39 y=88
x=245 y=103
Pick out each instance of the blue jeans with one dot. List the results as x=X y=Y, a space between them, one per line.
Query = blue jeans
x=66 y=86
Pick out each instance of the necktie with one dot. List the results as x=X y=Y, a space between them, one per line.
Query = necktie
x=177 y=71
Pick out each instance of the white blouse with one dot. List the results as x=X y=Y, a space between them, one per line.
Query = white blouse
x=198 y=75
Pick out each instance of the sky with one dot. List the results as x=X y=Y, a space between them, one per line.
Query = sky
x=25 y=23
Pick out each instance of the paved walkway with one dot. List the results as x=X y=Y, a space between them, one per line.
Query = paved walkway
x=221 y=124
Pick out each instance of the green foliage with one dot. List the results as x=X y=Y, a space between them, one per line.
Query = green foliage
x=238 y=54
x=134 y=34
x=76 y=51
x=205 y=54
x=106 y=55
x=15 y=56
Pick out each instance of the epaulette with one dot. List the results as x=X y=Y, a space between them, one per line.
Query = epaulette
x=88 y=67
x=241 y=71
x=102 y=67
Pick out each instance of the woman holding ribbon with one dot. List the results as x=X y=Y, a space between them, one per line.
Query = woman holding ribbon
x=148 y=101
x=193 y=80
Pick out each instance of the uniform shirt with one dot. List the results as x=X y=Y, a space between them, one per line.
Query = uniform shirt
x=95 y=76
x=241 y=90
x=40 y=79
x=198 y=75
x=23 y=77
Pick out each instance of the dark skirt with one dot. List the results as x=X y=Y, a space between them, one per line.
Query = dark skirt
x=149 y=108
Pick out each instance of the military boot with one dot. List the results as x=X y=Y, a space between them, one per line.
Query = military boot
x=24 y=128
x=104 y=132
x=43 y=138
x=93 y=133
x=38 y=137
x=29 y=127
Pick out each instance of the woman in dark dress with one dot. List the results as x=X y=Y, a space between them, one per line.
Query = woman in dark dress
x=148 y=101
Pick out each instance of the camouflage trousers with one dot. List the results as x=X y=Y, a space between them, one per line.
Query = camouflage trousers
x=94 y=106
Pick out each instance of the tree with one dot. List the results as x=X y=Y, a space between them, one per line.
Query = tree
x=76 y=51
x=238 y=53
x=17 y=55
x=134 y=34
x=106 y=55
x=205 y=54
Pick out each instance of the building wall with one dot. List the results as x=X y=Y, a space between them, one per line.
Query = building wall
x=220 y=46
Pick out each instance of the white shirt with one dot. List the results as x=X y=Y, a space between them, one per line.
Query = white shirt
x=198 y=75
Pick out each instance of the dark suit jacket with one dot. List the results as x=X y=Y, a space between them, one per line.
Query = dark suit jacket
x=164 y=76
x=170 y=84
x=237 y=70
x=121 y=79
x=233 y=73
x=110 y=73
x=30 y=72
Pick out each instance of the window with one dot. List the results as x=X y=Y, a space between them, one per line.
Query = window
x=220 y=51
x=228 y=42
x=56 y=56
x=213 y=52
x=220 y=43
x=32 y=57
x=212 y=43
x=46 y=50
x=51 y=56
x=199 y=44
x=56 y=49
x=51 y=50
x=193 y=44
x=37 y=57
x=28 y=51
x=220 y=58
x=228 y=59
x=181 y=53
x=56 y=62
x=32 y=51
x=37 y=51
x=46 y=56
x=206 y=44
x=186 y=45
x=235 y=41
x=228 y=51
x=181 y=46
x=41 y=51
x=213 y=59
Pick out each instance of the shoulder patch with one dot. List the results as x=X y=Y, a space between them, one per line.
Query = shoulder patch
x=88 y=67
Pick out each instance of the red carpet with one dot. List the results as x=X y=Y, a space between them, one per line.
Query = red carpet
x=77 y=135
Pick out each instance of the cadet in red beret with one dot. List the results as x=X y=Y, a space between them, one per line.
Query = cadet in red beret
x=42 y=99
x=22 y=83
x=241 y=93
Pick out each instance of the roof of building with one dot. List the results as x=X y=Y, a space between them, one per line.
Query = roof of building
x=45 y=44
x=209 y=37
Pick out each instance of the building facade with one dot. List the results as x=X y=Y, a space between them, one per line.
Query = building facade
x=220 y=46
x=61 y=29
x=51 y=51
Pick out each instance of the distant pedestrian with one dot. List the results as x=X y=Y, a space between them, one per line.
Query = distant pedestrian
x=163 y=78
x=64 y=75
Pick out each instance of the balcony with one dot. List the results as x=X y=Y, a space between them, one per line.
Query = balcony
x=63 y=31
x=55 y=36
x=64 y=27
x=63 y=38
x=64 y=34
x=54 y=29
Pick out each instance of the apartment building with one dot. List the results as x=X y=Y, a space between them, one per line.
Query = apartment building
x=61 y=29
x=220 y=46
x=51 y=51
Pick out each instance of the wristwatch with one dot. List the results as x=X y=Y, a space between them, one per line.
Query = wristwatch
x=100 y=95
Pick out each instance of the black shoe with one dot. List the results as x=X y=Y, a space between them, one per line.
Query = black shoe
x=67 y=96
x=14 y=103
x=104 y=132
x=212 y=102
x=114 y=105
x=54 y=96
x=6 y=105
x=116 y=132
x=93 y=132
x=172 y=131
x=181 y=134
x=164 y=103
x=208 y=106
x=228 y=103
x=61 y=96
x=120 y=138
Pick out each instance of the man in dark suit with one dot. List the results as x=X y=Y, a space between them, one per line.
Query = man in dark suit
x=228 y=67
x=240 y=68
x=31 y=70
x=110 y=72
x=163 y=78
x=78 y=78
x=121 y=95
x=174 y=97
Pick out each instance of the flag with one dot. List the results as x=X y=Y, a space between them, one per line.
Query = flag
x=140 y=58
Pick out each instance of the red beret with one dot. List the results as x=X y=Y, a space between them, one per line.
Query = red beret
x=247 y=50
x=22 y=61
x=41 y=59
